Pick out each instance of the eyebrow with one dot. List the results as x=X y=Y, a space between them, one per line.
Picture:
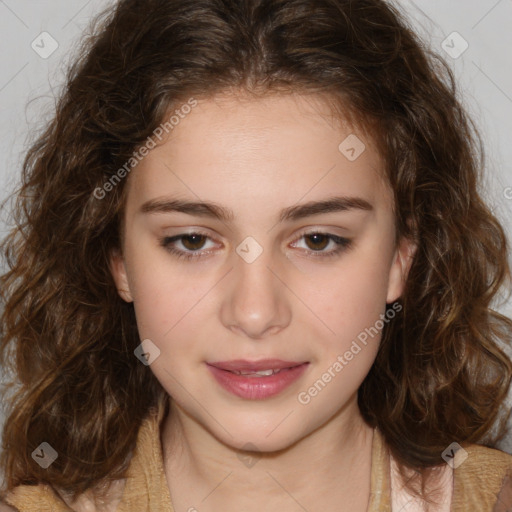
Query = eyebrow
x=291 y=213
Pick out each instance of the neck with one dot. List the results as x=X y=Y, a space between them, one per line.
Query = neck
x=330 y=467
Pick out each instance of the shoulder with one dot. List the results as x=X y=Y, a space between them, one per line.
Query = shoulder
x=43 y=498
x=482 y=462
x=27 y=498
x=6 y=508
x=33 y=497
x=482 y=477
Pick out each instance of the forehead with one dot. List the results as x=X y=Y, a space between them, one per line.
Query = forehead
x=278 y=148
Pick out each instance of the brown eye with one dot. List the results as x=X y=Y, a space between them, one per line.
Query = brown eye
x=317 y=244
x=193 y=242
x=320 y=241
x=187 y=246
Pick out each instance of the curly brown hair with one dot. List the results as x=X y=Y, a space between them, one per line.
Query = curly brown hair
x=439 y=375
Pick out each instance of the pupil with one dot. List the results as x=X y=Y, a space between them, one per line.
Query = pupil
x=197 y=238
x=316 y=236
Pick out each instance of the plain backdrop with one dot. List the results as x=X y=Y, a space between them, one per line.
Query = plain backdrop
x=39 y=38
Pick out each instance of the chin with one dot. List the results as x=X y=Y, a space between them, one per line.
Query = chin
x=258 y=437
x=261 y=444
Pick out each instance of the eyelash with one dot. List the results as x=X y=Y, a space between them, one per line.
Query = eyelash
x=342 y=245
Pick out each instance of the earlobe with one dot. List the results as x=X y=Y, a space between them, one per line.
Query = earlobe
x=402 y=261
x=118 y=270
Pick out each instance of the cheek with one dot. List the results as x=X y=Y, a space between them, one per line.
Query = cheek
x=353 y=310
x=160 y=297
x=172 y=301
x=356 y=296
x=161 y=304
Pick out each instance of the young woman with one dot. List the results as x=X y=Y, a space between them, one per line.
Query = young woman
x=252 y=271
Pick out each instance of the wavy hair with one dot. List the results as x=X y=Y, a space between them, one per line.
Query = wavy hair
x=439 y=376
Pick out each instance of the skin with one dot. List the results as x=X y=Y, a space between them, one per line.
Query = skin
x=256 y=157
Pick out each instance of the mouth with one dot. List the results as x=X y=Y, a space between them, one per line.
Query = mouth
x=263 y=368
x=260 y=373
x=257 y=380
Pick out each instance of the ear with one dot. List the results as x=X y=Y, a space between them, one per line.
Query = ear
x=118 y=270
x=402 y=261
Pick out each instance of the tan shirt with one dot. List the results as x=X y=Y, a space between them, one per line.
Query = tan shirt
x=482 y=483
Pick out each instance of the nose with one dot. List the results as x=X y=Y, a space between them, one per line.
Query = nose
x=255 y=298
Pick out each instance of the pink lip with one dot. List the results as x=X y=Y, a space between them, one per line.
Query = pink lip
x=262 y=364
x=252 y=387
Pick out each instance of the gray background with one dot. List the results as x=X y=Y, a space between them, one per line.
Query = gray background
x=29 y=82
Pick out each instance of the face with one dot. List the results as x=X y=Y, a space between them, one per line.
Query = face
x=294 y=259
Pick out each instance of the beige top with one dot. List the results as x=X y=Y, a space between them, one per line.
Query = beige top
x=481 y=483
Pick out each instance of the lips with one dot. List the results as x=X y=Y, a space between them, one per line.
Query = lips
x=241 y=366
x=256 y=380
